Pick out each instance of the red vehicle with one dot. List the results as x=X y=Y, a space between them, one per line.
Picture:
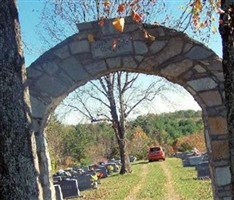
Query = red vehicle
x=156 y=153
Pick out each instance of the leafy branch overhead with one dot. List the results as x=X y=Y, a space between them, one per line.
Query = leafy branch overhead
x=199 y=12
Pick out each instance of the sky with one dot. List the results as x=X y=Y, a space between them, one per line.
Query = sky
x=30 y=20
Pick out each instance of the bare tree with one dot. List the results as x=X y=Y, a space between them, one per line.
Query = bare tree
x=18 y=179
x=118 y=96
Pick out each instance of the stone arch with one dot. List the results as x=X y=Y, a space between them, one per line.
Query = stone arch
x=173 y=55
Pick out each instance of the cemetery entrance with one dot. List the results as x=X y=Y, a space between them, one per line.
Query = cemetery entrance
x=173 y=55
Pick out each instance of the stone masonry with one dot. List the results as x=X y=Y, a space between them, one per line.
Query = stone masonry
x=172 y=55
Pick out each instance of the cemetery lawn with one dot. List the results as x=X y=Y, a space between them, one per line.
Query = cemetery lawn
x=164 y=180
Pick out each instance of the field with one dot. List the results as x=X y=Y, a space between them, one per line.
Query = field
x=165 y=180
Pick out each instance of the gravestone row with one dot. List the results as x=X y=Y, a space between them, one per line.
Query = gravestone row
x=69 y=184
x=200 y=162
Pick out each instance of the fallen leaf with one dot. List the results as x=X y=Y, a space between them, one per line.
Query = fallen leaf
x=119 y=24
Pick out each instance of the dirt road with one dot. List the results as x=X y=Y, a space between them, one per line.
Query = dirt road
x=170 y=193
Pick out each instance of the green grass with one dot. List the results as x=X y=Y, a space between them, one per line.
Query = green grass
x=185 y=184
x=153 y=185
x=115 y=187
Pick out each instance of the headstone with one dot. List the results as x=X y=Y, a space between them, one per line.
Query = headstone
x=183 y=155
x=132 y=158
x=203 y=170
x=103 y=170
x=114 y=165
x=69 y=188
x=84 y=181
x=58 y=192
x=57 y=178
x=195 y=160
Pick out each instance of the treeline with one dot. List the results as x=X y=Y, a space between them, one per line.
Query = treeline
x=88 y=143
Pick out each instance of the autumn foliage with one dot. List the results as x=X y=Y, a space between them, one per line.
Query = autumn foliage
x=187 y=143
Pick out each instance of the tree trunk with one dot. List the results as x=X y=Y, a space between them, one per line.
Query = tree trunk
x=18 y=178
x=226 y=31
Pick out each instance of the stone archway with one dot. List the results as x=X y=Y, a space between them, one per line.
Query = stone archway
x=172 y=55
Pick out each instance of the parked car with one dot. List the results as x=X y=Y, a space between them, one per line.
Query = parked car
x=156 y=153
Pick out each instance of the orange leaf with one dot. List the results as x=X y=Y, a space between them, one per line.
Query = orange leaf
x=106 y=4
x=119 y=24
x=148 y=36
x=136 y=17
x=121 y=8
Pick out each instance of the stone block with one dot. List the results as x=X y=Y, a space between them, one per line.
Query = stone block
x=84 y=181
x=157 y=46
x=220 y=149
x=73 y=69
x=199 y=52
x=217 y=125
x=203 y=84
x=176 y=69
x=211 y=98
x=140 y=47
x=195 y=160
x=104 y=48
x=69 y=188
x=222 y=176
x=62 y=52
x=81 y=46
x=52 y=86
x=38 y=107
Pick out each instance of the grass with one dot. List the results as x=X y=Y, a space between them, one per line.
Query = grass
x=152 y=184
x=185 y=185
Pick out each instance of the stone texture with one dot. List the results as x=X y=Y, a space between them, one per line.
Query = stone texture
x=199 y=69
x=173 y=48
x=217 y=125
x=62 y=52
x=114 y=62
x=50 y=68
x=84 y=26
x=202 y=84
x=73 y=68
x=33 y=72
x=176 y=69
x=157 y=46
x=187 y=47
x=211 y=98
x=79 y=47
x=108 y=29
x=50 y=85
x=140 y=47
x=104 y=48
x=38 y=107
x=129 y=62
x=219 y=149
x=96 y=67
x=222 y=176
x=198 y=53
